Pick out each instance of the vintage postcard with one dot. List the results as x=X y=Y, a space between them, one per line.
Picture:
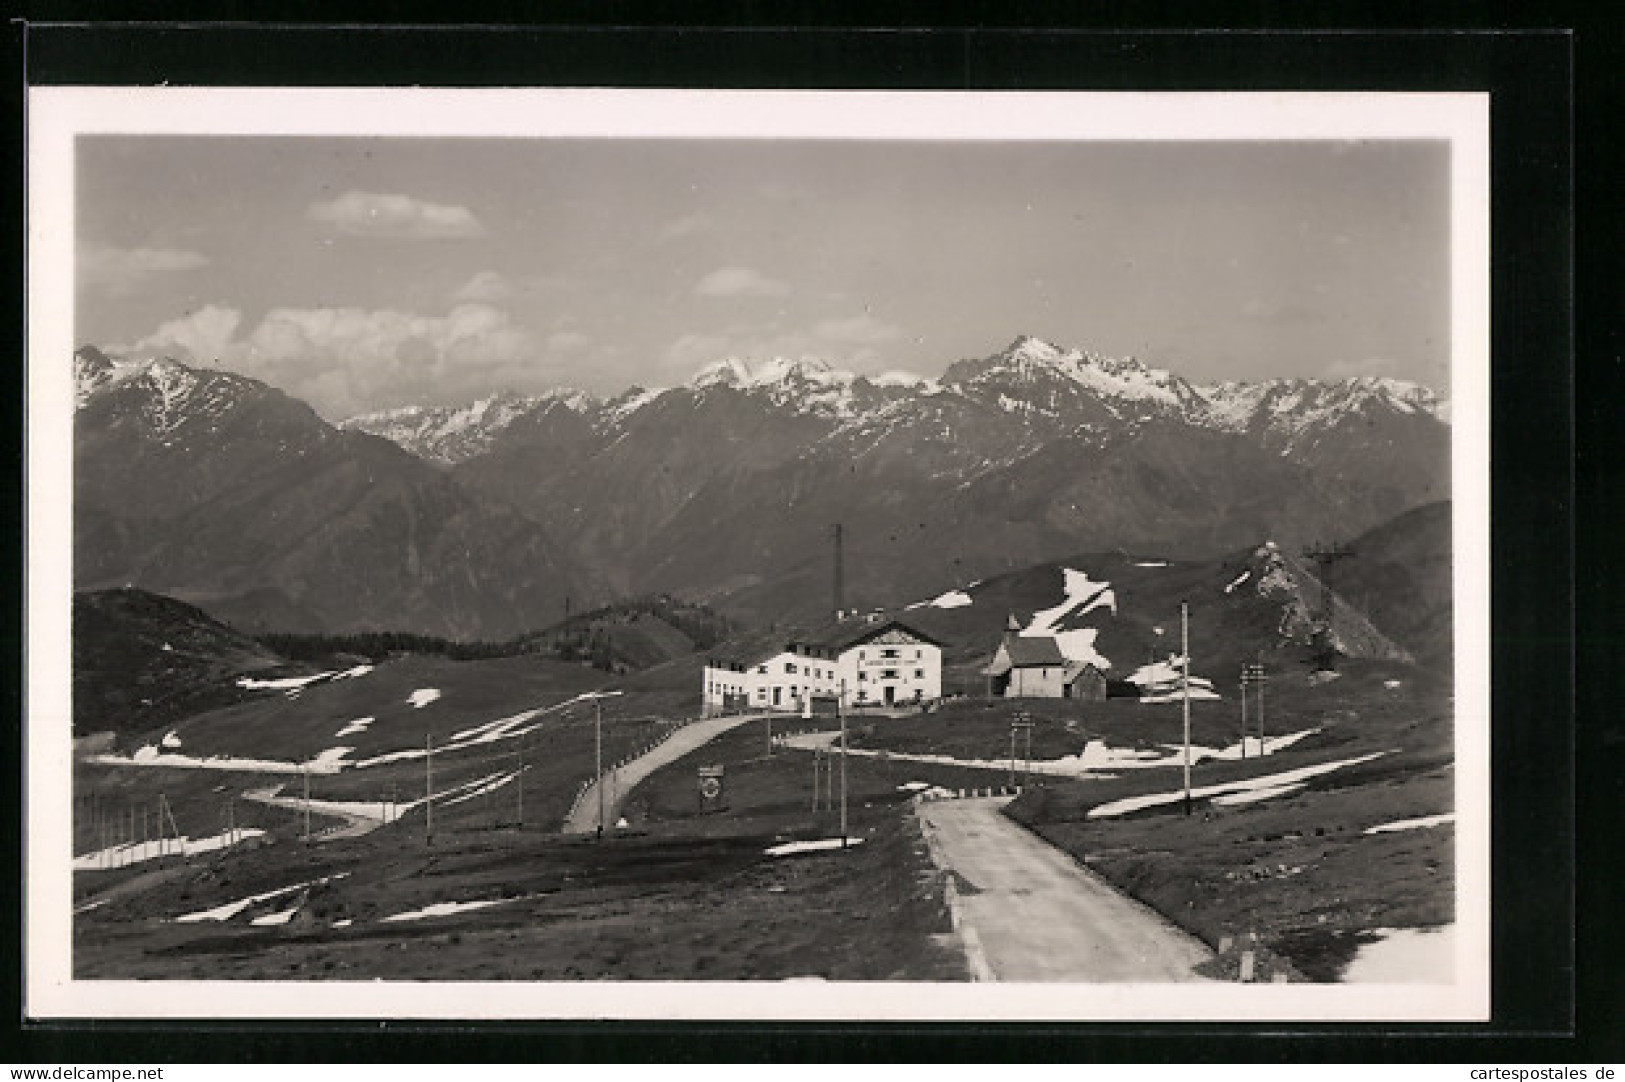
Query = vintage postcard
x=540 y=554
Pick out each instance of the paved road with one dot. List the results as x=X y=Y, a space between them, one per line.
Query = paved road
x=622 y=781
x=1029 y=912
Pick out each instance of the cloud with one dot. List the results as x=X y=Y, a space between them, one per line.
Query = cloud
x=202 y=336
x=125 y=270
x=739 y=282
x=487 y=287
x=396 y=217
x=349 y=360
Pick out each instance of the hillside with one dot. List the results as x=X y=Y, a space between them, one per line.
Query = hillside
x=141 y=660
x=481 y=521
x=633 y=635
x=225 y=492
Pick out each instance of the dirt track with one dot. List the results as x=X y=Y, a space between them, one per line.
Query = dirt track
x=1031 y=913
x=623 y=780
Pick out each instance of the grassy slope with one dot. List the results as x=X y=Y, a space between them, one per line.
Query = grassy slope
x=1297 y=869
x=141 y=659
x=582 y=910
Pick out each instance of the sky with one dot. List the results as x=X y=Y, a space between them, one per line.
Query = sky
x=363 y=274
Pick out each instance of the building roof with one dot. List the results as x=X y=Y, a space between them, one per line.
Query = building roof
x=1032 y=650
x=843 y=635
x=1075 y=669
x=837 y=636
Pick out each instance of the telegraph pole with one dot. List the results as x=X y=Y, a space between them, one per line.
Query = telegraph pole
x=305 y=774
x=519 y=783
x=428 y=789
x=1244 y=711
x=1185 y=665
x=840 y=712
x=598 y=757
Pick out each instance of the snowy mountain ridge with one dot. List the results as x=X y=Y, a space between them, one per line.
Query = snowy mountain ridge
x=1032 y=381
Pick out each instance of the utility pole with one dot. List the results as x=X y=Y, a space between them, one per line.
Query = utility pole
x=428 y=789
x=843 y=779
x=840 y=574
x=519 y=783
x=1244 y=711
x=598 y=756
x=305 y=772
x=1185 y=683
x=1262 y=680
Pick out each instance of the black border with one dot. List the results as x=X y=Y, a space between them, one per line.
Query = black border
x=1529 y=74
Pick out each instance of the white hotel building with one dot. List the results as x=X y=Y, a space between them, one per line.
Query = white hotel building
x=878 y=664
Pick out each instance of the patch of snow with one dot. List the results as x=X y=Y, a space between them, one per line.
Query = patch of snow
x=1082 y=595
x=330 y=761
x=354 y=728
x=272 y=919
x=149 y=755
x=1391 y=684
x=168 y=649
x=88 y=906
x=488 y=784
x=913 y=786
x=231 y=909
x=1405 y=956
x=423 y=697
x=117 y=856
x=490 y=732
x=1412 y=824
x=446 y=909
x=351 y=674
x=494 y=730
x=1238 y=580
x=281 y=684
x=1252 y=796
x=1151 y=563
x=1161 y=682
x=899 y=378
x=810 y=847
x=1266 y=781
x=953 y=599
x=170 y=740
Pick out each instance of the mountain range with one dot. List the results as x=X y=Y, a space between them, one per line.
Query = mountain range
x=479 y=520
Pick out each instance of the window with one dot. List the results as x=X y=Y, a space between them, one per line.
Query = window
x=862 y=676
x=861 y=655
x=762 y=669
x=916 y=655
x=888 y=653
x=789 y=667
x=888 y=674
x=919 y=674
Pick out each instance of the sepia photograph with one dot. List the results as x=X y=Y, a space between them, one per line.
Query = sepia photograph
x=675 y=554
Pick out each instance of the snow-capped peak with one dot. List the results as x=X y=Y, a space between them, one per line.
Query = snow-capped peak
x=741 y=374
x=1029 y=360
x=1287 y=407
x=453 y=433
x=898 y=378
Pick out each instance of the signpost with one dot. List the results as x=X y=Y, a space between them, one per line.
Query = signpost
x=1021 y=724
x=711 y=788
x=1253 y=676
